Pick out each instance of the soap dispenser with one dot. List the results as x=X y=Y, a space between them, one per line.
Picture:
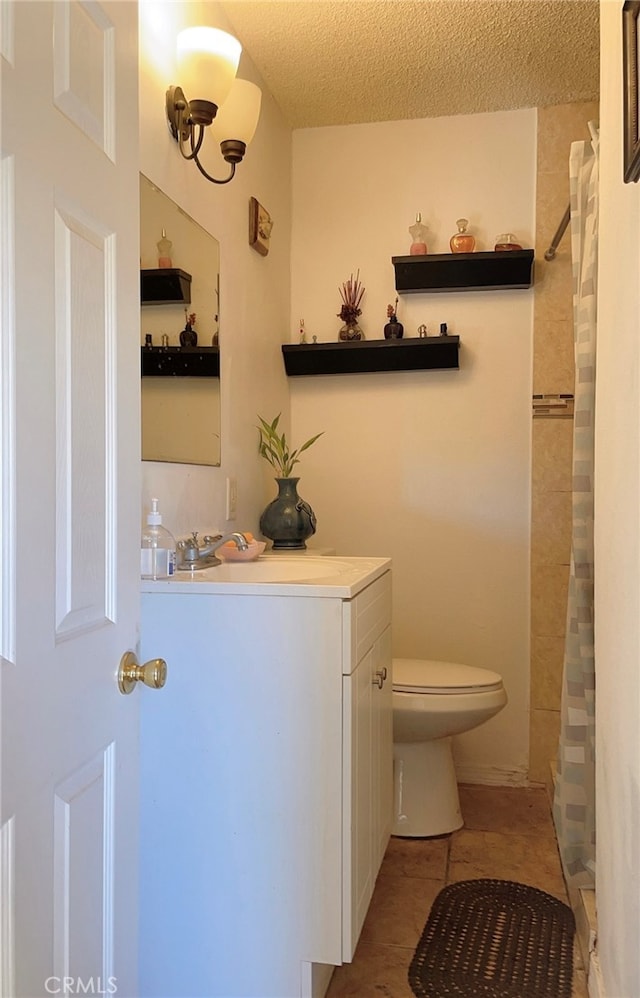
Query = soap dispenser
x=157 y=549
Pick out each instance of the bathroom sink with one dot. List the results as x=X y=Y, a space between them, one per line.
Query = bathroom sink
x=278 y=576
x=271 y=570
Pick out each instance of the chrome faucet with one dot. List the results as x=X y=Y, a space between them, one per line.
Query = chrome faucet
x=191 y=555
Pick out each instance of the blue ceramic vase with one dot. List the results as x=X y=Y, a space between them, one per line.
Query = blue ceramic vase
x=288 y=520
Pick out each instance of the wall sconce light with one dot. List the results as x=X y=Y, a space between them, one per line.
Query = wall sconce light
x=207 y=63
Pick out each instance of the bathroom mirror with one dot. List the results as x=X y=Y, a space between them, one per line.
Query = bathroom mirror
x=180 y=384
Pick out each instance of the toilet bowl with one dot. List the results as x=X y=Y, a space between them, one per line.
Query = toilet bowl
x=432 y=701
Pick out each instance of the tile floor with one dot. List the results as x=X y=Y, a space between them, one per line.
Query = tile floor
x=508 y=835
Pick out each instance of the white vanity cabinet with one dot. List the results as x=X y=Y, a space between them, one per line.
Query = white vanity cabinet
x=368 y=766
x=266 y=782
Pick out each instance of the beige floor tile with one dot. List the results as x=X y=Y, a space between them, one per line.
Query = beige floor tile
x=376 y=972
x=508 y=835
x=399 y=909
x=425 y=858
x=526 y=859
x=523 y=811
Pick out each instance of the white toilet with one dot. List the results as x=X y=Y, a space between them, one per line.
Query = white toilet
x=431 y=702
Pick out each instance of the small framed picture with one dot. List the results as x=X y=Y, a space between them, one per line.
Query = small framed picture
x=260 y=226
x=630 y=12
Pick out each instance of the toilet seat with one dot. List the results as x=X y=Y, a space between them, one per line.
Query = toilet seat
x=417 y=675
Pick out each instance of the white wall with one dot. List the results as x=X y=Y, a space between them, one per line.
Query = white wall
x=254 y=290
x=431 y=468
x=617 y=540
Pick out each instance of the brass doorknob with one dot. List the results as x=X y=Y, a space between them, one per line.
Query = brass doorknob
x=152 y=673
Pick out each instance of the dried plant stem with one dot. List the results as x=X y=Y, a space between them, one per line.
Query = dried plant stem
x=351 y=294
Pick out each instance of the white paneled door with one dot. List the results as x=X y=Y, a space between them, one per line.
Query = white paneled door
x=69 y=496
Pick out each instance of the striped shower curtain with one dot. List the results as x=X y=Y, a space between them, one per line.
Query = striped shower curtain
x=574 y=798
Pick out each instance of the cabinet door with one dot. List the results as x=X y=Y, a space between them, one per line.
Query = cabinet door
x=357 y=856
x=368 y=781
x=242 y=774
x=382 y=750
x=367 y=753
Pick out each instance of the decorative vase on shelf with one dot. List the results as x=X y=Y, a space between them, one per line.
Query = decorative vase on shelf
x=462 y=241
x=393 y=330
x=351 y=294
x=418 y=233
x=350 y=331
x=188 y=336
x=288 y=520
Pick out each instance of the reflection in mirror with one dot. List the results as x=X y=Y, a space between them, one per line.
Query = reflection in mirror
x=180 y=413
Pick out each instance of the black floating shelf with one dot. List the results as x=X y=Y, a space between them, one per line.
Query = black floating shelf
x=430 y=353
x=180 y=362
x=167 y=286
x=464 y=272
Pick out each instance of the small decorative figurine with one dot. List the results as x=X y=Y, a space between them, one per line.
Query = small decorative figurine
x=303 y=337
x=422 y=332
x=164 y=252
x=393 y=330
x=443 y=329
x=463 y=241
x=418 y=233
x=188 y=336
x=351 y=293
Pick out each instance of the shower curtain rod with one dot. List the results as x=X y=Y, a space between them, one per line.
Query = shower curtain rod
x=555 y=242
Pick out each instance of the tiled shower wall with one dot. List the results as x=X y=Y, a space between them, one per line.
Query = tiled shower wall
x=553 y=373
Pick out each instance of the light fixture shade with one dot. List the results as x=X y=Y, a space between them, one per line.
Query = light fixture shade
x=207 y=63
x=238 y=117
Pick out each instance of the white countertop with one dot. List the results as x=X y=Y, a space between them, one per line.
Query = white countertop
x=308 y=552
x=337 y=577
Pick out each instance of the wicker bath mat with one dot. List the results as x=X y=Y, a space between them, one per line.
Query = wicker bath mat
x=494 y=939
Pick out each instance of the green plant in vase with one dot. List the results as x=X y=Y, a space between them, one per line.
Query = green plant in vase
x=288 y=520
x=274 y=447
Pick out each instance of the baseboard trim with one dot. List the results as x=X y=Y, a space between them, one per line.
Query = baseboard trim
x=588 y=907
x=491 y=776
x=316 y=978
x=595 y=983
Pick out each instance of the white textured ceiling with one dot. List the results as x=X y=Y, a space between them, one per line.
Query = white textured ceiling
x=330 y=63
